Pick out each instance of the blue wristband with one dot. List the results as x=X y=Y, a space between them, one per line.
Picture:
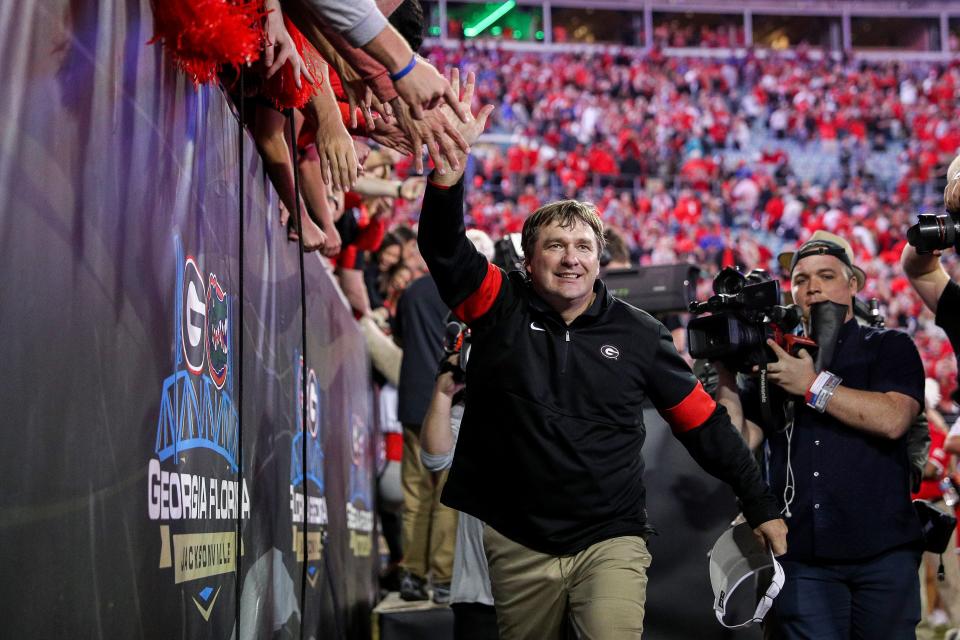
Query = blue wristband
x=407 y=69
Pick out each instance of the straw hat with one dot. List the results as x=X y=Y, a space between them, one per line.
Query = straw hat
x=823 y=243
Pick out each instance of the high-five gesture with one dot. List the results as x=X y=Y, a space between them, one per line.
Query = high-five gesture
x=418 y=83
x=424 y=88
x=468 y=125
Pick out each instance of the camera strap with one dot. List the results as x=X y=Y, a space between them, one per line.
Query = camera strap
x=766 y=411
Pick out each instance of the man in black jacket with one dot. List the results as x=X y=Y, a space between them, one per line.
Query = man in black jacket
x=549 y=448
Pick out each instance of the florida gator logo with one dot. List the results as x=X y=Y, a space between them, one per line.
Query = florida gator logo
x=218 y=332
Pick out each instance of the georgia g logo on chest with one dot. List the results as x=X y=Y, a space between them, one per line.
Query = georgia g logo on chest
x=610 y=351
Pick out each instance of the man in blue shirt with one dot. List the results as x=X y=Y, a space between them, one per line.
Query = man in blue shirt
x=839 y=466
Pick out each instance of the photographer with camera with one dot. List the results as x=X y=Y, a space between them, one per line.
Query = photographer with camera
x=548 y=454
x=837 y=457
x=921 y=259
x=921 y=263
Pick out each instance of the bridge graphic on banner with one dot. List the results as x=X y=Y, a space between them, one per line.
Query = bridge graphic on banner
x=314 y=466
x=191 y=421
x=196 y=410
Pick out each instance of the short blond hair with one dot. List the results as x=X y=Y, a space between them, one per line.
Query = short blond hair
x=566 y=213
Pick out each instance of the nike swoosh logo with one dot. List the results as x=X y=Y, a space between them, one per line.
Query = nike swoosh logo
x=536 y=327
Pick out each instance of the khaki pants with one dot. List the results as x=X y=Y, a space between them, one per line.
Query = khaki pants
x=429 y=528
x=602 y=589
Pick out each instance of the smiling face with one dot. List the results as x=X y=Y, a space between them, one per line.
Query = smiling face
x=399 y=281
x=819 y=278
x=389 y=256
x=563 y=265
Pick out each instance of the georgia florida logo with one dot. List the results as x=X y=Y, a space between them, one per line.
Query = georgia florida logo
x=360 y=503
x=192 y=487
x=306 y=475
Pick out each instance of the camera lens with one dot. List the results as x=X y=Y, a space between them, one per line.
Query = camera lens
x=933 y=232
x=729 y=281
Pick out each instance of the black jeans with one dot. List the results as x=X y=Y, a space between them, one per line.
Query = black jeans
x=474 y=621
x=875 y=598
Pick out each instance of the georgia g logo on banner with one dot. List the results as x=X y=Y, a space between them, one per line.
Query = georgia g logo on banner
x=193 y=323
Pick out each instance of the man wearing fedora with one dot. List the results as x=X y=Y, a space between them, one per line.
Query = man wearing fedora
x=837 y=460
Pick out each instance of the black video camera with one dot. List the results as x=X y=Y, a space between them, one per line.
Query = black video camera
x=456 y=341
x=744 y=312
x=935 y=232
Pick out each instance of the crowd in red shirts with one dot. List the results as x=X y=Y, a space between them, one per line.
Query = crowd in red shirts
x=690 y=158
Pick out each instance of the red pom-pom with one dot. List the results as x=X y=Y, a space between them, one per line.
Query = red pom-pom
x=201 y=35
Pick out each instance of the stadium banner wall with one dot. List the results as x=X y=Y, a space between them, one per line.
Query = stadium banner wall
x=125 y=467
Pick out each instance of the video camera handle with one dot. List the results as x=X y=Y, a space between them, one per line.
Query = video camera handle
x=792 y=344
x=718 y=301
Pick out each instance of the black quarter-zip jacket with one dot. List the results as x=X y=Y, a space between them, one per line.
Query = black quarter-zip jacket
x=549 y=446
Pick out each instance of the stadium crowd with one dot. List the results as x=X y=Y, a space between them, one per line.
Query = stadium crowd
x=690 y=159
x=715 y=162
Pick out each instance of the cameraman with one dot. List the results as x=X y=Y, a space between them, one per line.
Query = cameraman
x=929 y=279
x=474 y=616
x=841 y=470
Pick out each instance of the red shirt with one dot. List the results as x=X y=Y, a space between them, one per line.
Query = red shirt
x=930 y=489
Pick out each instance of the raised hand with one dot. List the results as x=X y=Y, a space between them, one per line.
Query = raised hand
x=390 y=135
x=359 y=96
x=279 y=47
x=338 y=157
x=423 y=88
x=469 y=128
x=463 y=121
x=435 y=131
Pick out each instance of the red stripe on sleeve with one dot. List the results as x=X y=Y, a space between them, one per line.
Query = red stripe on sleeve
x=442 y=187
x=480 y=301
x=691 y=412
